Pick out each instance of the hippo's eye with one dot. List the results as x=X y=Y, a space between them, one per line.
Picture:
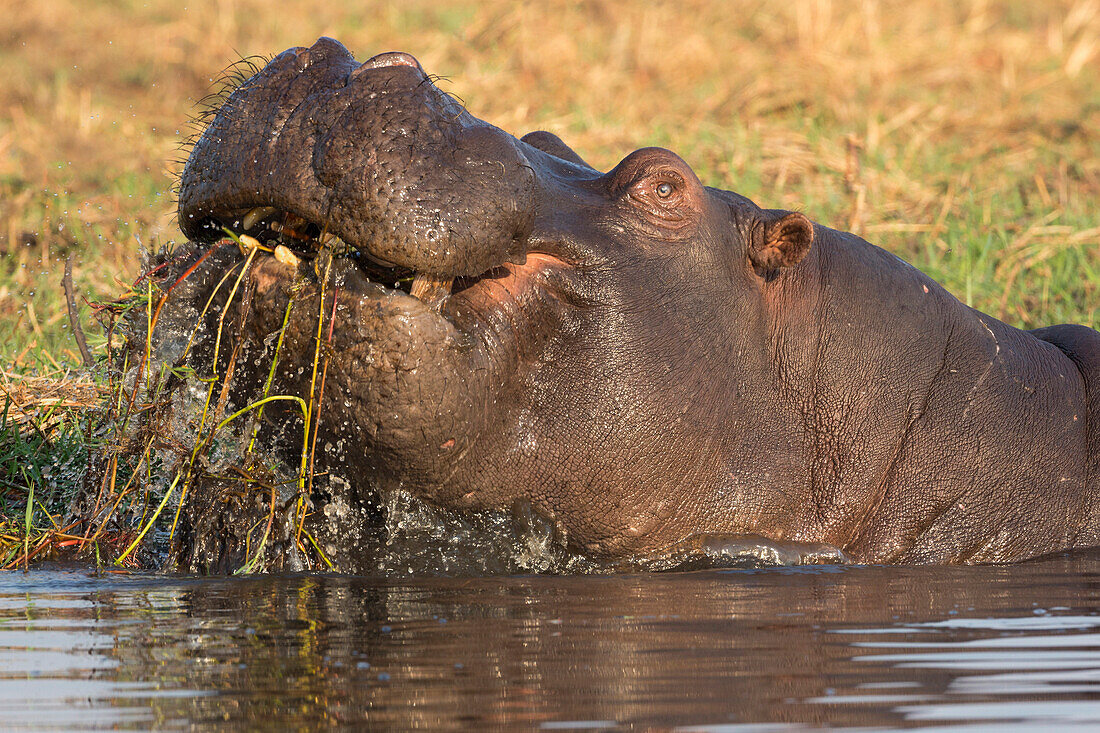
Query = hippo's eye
x=664 y=190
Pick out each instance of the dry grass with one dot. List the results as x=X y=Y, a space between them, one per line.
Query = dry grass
x=963 y=136
x=39 y=401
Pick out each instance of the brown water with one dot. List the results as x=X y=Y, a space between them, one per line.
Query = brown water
x=984 y=648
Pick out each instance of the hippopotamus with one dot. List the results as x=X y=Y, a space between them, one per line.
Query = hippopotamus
x=640 y=358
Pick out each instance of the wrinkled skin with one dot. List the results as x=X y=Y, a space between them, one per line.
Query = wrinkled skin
x=640 y=358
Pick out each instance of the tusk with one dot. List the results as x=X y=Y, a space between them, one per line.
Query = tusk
x=246 y=243
x=284 y=255
x=430 y=290
x=253 y=217
x=376 y=260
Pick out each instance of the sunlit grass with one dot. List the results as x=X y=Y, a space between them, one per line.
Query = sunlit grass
x=962 y=136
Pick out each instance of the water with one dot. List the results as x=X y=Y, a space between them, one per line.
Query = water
x=975 y=649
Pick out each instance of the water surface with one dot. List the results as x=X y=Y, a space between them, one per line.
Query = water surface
x=982 y=648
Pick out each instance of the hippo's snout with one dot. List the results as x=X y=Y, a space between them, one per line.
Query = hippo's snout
x=316 y=146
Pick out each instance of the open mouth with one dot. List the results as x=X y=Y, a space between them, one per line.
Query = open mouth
x=318 y=153
x=276 y=229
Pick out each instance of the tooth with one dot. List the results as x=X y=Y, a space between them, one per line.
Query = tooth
x=377 y=260
x=284 y=255
x=432 y=291
x=245 y=243
x=252 y=218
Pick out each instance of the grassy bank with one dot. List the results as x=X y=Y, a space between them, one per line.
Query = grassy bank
x=965 y=137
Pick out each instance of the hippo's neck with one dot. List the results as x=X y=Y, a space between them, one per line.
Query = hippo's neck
x=899 y=393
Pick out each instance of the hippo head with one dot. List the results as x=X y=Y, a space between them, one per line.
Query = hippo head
x=509 y=324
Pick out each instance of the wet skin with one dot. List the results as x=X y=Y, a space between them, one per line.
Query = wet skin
x=638 y=357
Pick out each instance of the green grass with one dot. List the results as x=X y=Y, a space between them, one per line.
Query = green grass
x=43 y=463
x=975 y=126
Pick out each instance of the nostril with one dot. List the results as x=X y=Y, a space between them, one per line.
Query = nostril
x=302 y=59
x=383 y=60
x=392 y=58
x=324 y=48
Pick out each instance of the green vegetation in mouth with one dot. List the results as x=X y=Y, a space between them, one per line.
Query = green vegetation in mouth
x=108 y=474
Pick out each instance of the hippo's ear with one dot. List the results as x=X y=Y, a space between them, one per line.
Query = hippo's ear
x=548 y=142
x=785 y=240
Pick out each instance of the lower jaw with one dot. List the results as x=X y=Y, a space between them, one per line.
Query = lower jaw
x=393 y=365
x=290 y=239
x=477 y=328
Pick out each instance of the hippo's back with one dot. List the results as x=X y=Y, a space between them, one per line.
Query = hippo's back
x=1082 y=345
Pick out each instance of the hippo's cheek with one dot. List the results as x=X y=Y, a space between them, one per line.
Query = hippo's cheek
x=400 y=374
x=391 y=380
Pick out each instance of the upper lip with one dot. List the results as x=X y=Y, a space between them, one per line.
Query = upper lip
x=317 y=151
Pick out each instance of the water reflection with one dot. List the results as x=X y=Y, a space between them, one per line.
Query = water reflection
x=853 y=646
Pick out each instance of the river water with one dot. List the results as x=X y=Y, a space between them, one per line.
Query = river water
x=988 y=648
